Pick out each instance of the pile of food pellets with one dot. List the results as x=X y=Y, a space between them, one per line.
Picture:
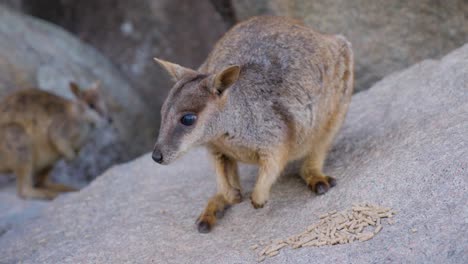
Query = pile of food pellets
x=361 y=223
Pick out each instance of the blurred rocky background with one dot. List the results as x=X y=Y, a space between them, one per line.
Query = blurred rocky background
x=47 y=43
x=387 y=36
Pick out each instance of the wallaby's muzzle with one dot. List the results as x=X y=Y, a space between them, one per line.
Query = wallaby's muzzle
x=157 y=156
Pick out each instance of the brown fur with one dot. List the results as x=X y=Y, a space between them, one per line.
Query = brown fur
x=38 y=128
x=272 y=91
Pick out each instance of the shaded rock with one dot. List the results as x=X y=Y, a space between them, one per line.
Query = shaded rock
x=34 y=53
x=245 y=9
x=403 y=146
x=386 y=36
x=13 y=4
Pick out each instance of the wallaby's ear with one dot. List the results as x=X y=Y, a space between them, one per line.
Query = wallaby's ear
x=226 y=78
x=75 y=89
x=176 y=71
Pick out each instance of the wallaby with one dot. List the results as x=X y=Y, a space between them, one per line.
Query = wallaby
x=272 y=91
x=37 y=128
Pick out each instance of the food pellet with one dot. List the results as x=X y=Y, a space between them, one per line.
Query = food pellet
x=334 y=228
x=254 y=247
x=377 y=229
x=365 y=236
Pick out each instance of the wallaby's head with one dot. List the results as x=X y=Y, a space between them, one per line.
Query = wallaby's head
x=190 y=112
x=91 y=103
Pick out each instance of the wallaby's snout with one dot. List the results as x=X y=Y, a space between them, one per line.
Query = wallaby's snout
x=158 y=156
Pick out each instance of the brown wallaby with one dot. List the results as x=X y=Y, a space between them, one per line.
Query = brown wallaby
x=37 y=128
x=272 y=91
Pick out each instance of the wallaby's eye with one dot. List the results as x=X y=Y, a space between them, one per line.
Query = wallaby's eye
x=92 y=106
x=188 y=119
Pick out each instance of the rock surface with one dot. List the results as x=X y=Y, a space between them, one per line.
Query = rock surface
x=387 y=35
x=403 y=145
x=34 y=53
x=14 y=211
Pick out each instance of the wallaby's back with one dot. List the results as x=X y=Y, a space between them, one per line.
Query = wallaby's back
x=29 y=106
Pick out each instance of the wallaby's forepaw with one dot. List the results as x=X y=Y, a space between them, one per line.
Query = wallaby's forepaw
x=256 y=201
x=60 y=188
x=321 y=184
x=256 y=205
x=234 y=197
x=37 y=194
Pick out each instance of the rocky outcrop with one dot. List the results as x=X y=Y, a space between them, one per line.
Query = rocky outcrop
x=403 y=145
x=386 y=36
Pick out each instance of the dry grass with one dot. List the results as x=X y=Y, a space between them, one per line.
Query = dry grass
x=361 y=223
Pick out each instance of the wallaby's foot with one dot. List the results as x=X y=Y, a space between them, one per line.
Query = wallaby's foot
x=234 y=196
x=57 y=187
x=206 y=221
x=43 y=181
x=214 y=210
x=37 y=193
x=320 y=184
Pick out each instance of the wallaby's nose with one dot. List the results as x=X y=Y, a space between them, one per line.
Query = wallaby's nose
x=157 y=156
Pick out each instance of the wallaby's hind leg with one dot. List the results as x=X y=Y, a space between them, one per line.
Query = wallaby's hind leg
x=19 y=152
x=229 y=193
x=43 y=181
x=311 y=170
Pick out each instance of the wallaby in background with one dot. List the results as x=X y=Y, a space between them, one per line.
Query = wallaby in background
x=272 y=91
x=37 y=128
